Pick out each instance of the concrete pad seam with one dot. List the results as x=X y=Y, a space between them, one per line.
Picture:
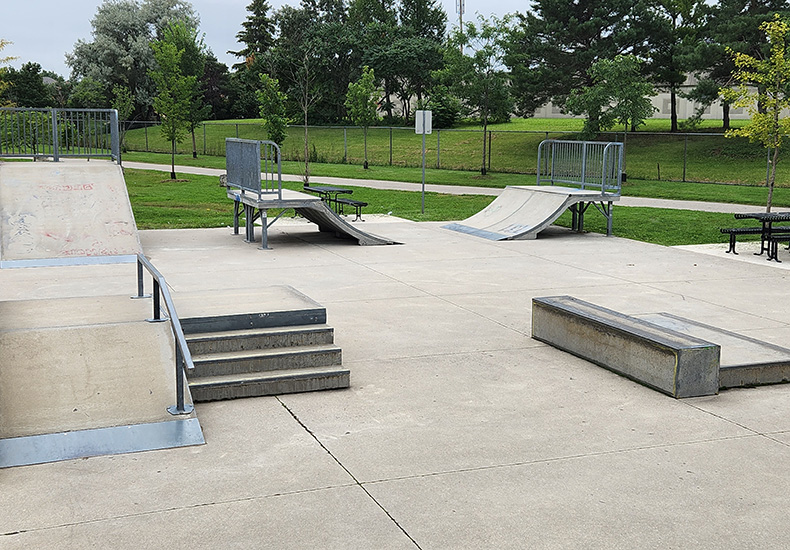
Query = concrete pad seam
x=176 y=509
x=351 y=475
x=561 y=458
x=533 y=345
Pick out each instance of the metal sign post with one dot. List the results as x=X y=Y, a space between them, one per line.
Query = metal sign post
x=422 y=125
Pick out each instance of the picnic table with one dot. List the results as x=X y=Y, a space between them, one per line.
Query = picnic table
x=328 y=193
x=770 y=236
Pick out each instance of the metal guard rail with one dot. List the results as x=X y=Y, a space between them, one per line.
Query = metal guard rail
x=183 y=356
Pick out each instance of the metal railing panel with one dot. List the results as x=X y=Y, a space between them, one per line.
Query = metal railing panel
x=582 y=164
x=57 y=133
x=254 y=166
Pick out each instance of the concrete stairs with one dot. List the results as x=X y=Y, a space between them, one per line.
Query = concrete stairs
x=241 y=360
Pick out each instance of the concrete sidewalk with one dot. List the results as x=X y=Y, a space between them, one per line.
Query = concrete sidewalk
x=459 y=430
x=460 y=189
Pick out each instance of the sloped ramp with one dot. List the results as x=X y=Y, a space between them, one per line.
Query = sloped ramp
x=521 y=212
x=71 y=212
x=311 y=208
x=86 y=376
x=329 y=221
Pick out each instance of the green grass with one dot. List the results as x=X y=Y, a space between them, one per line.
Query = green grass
x=709 y=192
x=513 y=148
x=198 y=201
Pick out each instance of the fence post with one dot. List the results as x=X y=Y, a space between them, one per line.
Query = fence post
x=204 y=139
x=489 y=149
x=438 y=148
x=685 y=154
x=55 y=148
x=345 y=144
x=390 y=145
x=237 y=130
x=146 y=138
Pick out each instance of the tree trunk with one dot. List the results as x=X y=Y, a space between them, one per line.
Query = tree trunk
x=725 y=118
x=673 y=109
x=306 y=178
x=173 y=160
x=194 y=145
x=772 y=179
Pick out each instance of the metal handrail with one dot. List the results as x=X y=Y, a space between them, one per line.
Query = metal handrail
x=183 y=356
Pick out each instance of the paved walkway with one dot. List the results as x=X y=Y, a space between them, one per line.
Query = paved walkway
x=459 y=189
x=459 y=430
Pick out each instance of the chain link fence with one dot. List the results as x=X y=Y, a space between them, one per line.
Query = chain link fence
x=690 y=157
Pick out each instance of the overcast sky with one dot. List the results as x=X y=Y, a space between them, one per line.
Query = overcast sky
x=44 y=30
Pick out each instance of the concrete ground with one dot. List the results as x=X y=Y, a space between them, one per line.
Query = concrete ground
x=459 y=431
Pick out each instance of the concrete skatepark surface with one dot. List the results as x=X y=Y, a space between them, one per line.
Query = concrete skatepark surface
x=459 y=430
x=65 y=213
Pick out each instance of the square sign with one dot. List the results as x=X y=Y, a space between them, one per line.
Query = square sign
x=422 y=122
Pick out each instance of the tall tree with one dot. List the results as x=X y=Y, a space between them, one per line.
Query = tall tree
x=27 y=86
x=361 y=104
x=478 y=79
x=733 y=24
x=120 y=50
x=767 y=104
x=193 y=63
x=551 y=49
x=4 y=84
x=619 y=94
x=257 y=33
x=174 y=95
x=272 y=109
x=674 y=43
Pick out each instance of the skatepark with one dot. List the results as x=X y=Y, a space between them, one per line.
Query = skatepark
x=458 y=429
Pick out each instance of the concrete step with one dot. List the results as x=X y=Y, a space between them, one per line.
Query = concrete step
x=232 y=386
x=258 y=339
x=249 y=361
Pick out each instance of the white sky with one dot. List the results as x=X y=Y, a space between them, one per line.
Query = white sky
x=45 y=30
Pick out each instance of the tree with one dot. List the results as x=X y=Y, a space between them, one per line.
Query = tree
x=674 y=43
x=88 y=94
x=193 y=63
x=619 y=94
x=120 y=51
x=257 y=33
x=4 y=84
x=478 y=79
x=551 y=49
x=123 y=102
x=272 y=109
x=771 y=75
x=174 y=96
x=27 y=86
x=361 y=104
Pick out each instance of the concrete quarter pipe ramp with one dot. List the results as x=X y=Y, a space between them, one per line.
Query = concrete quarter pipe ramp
x=521 y=212
x=65 y=213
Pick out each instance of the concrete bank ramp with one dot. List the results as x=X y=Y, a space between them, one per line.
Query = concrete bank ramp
x=71 y=212
x=86 y=376
x=521 y=212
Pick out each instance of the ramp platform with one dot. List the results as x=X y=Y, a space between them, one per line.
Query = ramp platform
x=309 y=206
x=71 y=212
x=521 y=212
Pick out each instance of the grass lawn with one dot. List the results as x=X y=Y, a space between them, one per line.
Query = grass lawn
x=692 y=157
x=198 y=201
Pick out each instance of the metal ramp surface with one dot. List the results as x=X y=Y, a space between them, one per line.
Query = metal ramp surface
x=521 y=212
x=71 y=212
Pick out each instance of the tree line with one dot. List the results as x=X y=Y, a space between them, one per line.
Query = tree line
x=545 y=54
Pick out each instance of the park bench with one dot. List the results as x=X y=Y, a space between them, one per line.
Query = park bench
x=358 y=206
